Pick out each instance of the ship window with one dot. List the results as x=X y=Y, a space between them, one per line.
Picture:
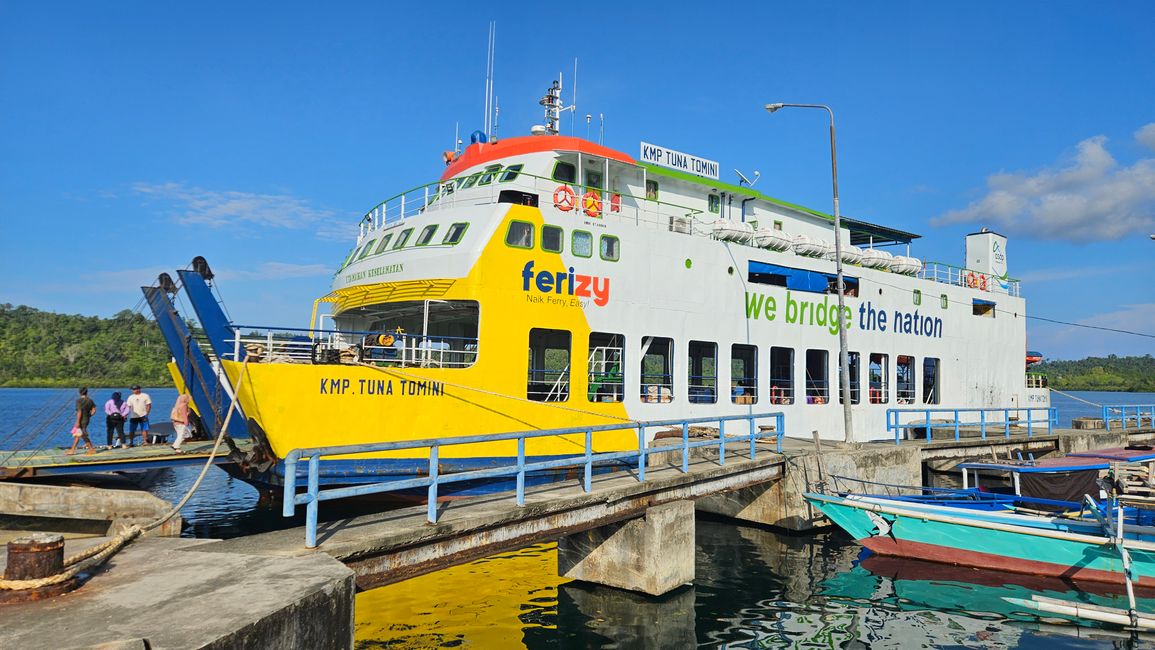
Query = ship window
x=403 y=238
x=489 y=175
x=703 y=377
x=714 y=203
x=611 y=249
x=879 y=374
x=583 y=244
x=565 y=172
x=455 y=233
x=782 y=375
x=520 y=234
x=510 y=173
x=425 y=333
x=606 y=381
x=657 y=375
x=651 y=190
x=349 y=257
x=904 y=379
x=930 y=381
x=366 y=249
x=917 y=296
x=384 y=244
x=853 y=360
x=448 y=187
x=548 y=365
x=551 y=239
x=471 y=181
x=593 y=179
x=777 y=225
x=944 y=301
x=744 y=374
x=817 y=376
x=426 y=235
x=984 y=308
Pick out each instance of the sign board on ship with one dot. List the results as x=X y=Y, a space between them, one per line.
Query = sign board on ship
x=655 y=155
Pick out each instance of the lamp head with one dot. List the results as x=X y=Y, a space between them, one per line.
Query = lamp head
x=770 y=108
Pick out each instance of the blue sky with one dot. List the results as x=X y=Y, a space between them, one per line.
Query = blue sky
x=136 y=135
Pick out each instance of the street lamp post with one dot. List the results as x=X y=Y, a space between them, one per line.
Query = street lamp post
x=843 y=355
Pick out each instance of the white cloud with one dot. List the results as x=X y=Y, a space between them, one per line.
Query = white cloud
x=1069 y=342
x=1088 y=198
x=279 y=271
x=216 y=209
x=1146 y=136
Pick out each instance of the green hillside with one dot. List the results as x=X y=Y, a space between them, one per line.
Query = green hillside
x=1131 y=374
x=40 y=348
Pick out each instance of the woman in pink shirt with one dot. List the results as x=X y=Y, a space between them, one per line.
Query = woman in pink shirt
x=115 y=413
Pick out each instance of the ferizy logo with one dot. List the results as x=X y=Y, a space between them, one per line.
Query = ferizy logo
x=566 y=284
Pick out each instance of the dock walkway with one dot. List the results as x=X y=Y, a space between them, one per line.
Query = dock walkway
x=54 y=462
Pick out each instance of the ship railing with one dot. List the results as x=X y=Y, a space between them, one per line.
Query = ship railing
x=927 y=420
x=758 y=428
x=299 y=345
x=1036 y=380
x=960 y=277
x=1128 y=416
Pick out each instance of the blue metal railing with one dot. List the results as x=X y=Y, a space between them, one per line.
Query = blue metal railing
x=1125 y=412
x=313 y=495
x=894 y=425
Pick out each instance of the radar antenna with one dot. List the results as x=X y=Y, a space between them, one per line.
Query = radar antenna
x=746 y=181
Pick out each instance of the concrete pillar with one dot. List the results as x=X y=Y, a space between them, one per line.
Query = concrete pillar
x=653 y=554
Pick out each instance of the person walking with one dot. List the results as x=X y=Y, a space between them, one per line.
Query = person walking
x=85 y=409
x=180 y=426
x=116 y=411
x=140 y=405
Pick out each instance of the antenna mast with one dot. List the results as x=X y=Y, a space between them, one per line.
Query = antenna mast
x=489 y=57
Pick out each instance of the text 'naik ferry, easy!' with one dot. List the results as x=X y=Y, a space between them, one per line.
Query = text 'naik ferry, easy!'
x=547 y=281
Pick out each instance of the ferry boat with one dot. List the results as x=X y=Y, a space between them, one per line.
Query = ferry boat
x=548 y=281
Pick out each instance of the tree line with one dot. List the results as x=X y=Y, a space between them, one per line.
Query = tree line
x=40 y=348
x=1110 y=373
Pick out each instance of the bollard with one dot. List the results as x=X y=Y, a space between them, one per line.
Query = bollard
x=30 y=558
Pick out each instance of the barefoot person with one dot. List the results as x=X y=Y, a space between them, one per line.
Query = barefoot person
x=179 y=417
x=140 y=404
x=85 y=408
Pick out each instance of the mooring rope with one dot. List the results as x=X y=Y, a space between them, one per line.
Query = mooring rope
x=93 y=557
x=1080 y=399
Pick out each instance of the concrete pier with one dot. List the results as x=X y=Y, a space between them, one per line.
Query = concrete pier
x=653 y=554
x=165 y=593
x=66 y=509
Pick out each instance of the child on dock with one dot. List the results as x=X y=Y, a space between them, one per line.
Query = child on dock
x=85 y=409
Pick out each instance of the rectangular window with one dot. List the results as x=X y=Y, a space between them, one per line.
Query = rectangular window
x=917 y=297
x=490 y=173
x=548 y=365
x=744 y=373
x=714 y=203
x=583 y=244
x=817 y=376
x=471 y=181
x=657 y=369
x=611 y=249
x=930 y=381
x=565 y=172
x=594 y=180
x=426 y=235
x=651 y=190
x=606 y=380
x=904 y=379
x=984 y=308
x=944 y=301
x=703 y=379
x=403 y=238
x=365 y=250
x=551 y=239
x=782 y=375
x=384 y=244
x=455 y=233
x=520 y=234
x=879 y=376
x=510 y=173
x=854 y=361
x=777 y=225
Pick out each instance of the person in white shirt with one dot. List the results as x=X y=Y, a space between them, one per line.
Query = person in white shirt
x=139 y=404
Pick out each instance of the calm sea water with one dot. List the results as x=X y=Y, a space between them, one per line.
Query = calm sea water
x=754 y=588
